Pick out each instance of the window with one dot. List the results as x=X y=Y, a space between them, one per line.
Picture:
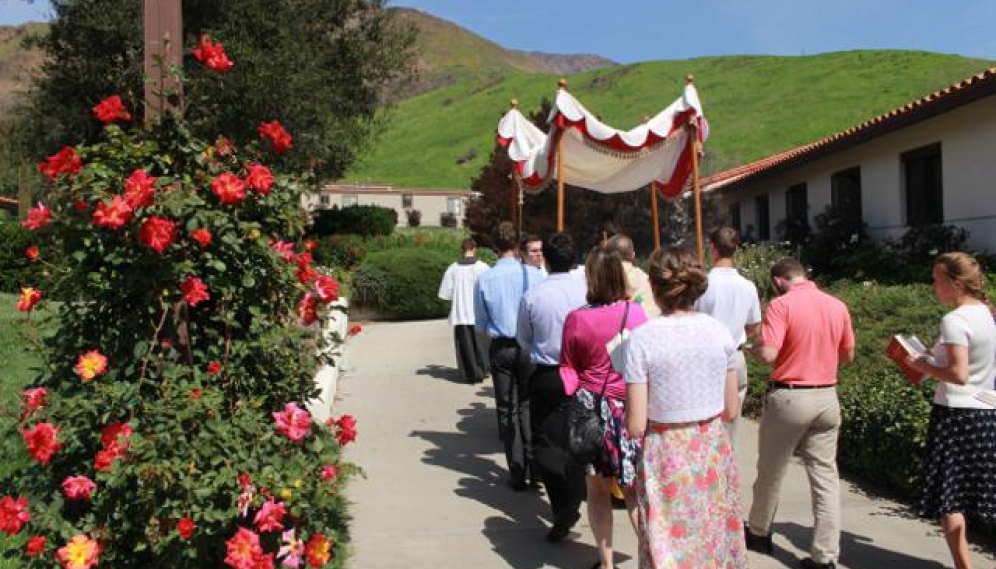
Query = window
x=797 y=204
x=845 y=193
x=407 y=201
x=734 y=212
x=349 y=200
x=923 y=184
x=453 y=205
x=763 y=217
x=325 y=200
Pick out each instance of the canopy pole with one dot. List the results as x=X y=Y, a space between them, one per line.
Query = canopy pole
x=654 y=215
x=693 y=142
x=516 y=193
x=561 y=84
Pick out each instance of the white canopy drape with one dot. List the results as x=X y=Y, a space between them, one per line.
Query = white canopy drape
x=601 y=158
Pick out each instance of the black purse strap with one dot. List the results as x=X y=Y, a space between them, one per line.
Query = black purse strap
x=622 y=328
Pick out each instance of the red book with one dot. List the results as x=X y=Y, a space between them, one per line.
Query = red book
x=901 y=347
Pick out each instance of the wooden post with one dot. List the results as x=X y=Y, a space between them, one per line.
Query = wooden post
x=163 y=26
x=654 y=215
x=561 y=84
x=693 y=141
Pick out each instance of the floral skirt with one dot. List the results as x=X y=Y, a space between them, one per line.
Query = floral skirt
x=688 y=491
x=620 y=452
x=959 y=471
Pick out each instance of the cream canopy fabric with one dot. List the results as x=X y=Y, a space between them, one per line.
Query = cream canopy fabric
x=599 y=157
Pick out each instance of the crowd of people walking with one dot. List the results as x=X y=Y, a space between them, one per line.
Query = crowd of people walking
x=657 y=359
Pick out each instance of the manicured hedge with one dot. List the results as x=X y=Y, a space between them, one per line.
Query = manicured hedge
x=402 y=283
x=15 y=270
x=356 y=219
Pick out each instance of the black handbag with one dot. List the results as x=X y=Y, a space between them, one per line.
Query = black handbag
x=585 y=427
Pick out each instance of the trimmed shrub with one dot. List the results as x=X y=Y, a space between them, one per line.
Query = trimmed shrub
x=348 y=251
x=355 y=219
x=15 y=269
x=414 y=217
x=447 y=219
x=402 y=283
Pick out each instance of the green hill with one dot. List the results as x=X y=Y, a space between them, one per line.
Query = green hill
x=756 y=106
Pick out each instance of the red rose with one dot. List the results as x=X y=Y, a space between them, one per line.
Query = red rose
x=42 y=442
x=13 y=514
x=194 y=291
x=78 y=487
x=285 y=249
x=38 y=217
x=318 y=550
x=212 y=55
x=355 y=329
x=223 y=146
x=111 y=110
x=196 y=393
x=140 y=189
x=345 y=430
x=202 y=236
x=65 y=161
x=279 y=138
x=214 y=368
x=244 y=480
x=310 y=244
x=34 y=398
x=157 y=232
x=116 y=435
x=31 y=253
x=229 y=188
x=30 y=297
x=307 y=310
x=105 y=458
x=35 y=546
x=185 y=527
x=112 y=216
x=306 y=274
x=329 y=472
x=327 y=289
x=259 y=178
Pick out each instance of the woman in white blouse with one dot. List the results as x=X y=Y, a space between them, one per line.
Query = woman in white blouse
x=681 y=385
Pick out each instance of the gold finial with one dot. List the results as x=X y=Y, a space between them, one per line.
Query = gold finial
x=646 y=118
x=689 y=79
x=514 y=103
x=562 y=83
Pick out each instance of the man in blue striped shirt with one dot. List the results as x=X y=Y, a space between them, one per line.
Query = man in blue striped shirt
x=496 y=308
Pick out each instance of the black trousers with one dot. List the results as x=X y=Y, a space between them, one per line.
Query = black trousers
x=470 y=359
x=510 y=371
x=562 y=477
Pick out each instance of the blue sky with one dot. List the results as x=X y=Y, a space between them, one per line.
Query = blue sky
x=641 y=30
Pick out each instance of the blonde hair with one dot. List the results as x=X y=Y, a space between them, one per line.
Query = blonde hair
x=964 y=269
x=676 y=279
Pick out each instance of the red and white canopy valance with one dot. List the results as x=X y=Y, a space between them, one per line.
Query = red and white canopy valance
x=601 y=158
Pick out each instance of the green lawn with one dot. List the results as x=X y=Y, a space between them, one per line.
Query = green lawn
x=17 y=368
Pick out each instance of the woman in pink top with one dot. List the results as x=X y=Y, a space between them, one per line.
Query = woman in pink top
x=586 y=370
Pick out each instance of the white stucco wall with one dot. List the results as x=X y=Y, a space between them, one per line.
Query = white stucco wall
x=967 y=136
x=431 y=206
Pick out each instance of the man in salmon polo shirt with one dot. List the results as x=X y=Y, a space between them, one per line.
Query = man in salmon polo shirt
x=806 y=334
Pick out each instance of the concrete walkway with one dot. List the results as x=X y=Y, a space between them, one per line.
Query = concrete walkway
x=434 y=494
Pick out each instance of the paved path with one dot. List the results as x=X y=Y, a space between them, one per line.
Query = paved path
x=434 y=495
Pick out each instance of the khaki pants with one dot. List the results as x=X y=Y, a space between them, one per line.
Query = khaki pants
x=807 y=422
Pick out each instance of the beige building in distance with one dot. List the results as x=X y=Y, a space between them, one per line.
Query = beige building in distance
x=434 y=204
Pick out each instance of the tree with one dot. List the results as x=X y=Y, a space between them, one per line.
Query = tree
x=318 y=66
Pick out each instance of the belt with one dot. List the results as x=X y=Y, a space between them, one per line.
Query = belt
x=504 y=340
x=785 y=385
x=656 y=427
x=547 y=367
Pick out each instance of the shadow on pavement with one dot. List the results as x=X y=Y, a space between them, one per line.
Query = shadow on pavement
x=517 y=531
x=855 y=550
x=441 y=372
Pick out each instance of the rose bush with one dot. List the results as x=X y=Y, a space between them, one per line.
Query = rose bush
x=168 y=428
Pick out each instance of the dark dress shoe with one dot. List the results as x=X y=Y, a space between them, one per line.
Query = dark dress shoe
x=758 y=543
x=808 y=563
x=561 y=528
